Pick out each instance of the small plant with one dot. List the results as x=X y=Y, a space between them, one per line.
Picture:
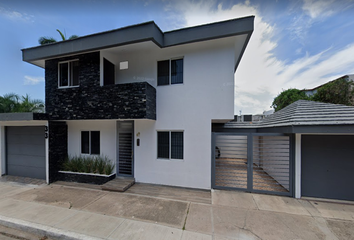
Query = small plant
x=89 y=164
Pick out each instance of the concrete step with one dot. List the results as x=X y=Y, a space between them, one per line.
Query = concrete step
x=119 y=184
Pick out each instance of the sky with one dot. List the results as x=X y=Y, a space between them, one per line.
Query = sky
x=295 y=44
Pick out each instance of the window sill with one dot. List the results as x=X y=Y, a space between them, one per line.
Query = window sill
x=169 y=160
x=68 y=87
x=175 y=84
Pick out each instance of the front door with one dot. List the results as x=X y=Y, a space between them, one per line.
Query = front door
x=125 y=154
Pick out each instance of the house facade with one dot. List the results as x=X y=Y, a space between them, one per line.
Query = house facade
x=144 y=98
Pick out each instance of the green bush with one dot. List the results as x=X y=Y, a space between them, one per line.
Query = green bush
x=89 y=164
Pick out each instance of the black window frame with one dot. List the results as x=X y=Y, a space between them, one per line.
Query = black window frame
x=161 y=79
x=90 y=146
x=73 y=78
x=172 y=145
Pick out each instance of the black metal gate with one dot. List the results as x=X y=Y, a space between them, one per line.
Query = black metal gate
x=253 y=162
x=125 y=159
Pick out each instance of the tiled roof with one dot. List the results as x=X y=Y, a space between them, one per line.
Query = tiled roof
x=303 y=113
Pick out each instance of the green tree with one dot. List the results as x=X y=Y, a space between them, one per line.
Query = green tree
x=9 y=103
x=287 y=97
x=338 y=92
x=12 y=102
x=47 y=40
x=31 y=105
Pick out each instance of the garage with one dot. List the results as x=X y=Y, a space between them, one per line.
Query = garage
x=327 y=166
x=25 y=151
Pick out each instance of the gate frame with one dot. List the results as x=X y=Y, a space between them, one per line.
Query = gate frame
x=250 y=163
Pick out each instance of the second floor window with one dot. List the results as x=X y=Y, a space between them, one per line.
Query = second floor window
x=170 y=72
x=69 y=74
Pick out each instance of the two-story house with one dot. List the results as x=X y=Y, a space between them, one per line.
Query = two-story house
x=144 y=98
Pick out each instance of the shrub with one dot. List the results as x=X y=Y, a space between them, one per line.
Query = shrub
x=89 y=164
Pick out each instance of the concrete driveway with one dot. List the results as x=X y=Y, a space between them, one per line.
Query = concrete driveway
x=169 y=213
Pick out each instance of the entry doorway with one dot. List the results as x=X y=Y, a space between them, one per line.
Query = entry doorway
x=125 y=148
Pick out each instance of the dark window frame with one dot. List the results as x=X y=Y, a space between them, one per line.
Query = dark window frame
x=171 y=146
x=90 y=149
x=72 y=71
x=171 y=75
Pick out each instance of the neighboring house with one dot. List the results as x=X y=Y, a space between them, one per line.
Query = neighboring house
x=144 y=98
x=311 y=92
x=304 y=150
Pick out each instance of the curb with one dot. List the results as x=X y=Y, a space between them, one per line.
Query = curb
x=43 y=230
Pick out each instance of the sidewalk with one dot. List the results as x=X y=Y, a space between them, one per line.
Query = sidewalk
x=65 y=212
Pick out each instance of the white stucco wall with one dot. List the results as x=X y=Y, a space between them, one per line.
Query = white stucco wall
x=207 y=93
x=107 y=136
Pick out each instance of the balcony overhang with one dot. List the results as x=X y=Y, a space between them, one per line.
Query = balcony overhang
x=148 y=31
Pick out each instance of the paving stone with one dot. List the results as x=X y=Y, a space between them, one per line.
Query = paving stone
x=139 y=230
x=233 y=199
x=334 y=210
x=344 y=230
x=91 y=224
x=279 y=204
x=195 y=236
x=199 y=218
x=228 y=221
x=161 y=211
x=61 y=196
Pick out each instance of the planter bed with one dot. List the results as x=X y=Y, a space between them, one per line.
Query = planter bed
x=85 y=177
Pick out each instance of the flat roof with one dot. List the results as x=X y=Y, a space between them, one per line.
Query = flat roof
x=147 y=31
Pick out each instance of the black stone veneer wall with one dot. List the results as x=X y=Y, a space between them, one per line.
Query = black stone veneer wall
x=58 y=148
x=92 y=101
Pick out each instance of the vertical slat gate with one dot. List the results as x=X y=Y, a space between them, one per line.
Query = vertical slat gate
x=271 y=163
x=125 y=148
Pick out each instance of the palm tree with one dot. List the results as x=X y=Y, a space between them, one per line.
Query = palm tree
x=12 y=102
x=31 y=105
x=9 y=103
x=47 y=40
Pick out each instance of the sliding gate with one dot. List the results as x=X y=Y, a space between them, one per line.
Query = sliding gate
x=252 y=162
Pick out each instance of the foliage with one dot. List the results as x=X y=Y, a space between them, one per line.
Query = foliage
x=89 y=164
x=287 y=97
x=47 y=40
x=340 y=91
x=337 y=92
x=12 y=102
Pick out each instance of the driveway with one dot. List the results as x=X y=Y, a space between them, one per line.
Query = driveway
x=170 y=213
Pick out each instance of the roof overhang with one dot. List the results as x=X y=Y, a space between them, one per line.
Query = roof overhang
x=148 y=31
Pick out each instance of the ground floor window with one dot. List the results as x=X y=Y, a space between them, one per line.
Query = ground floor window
x=170 y=144
x=90 y=142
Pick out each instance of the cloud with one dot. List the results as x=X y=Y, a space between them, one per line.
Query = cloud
x=16 y=16
x=324 y=8
x=261 y=75
x=29 y=80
